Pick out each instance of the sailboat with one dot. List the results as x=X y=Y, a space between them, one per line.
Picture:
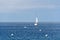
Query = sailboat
x=36 y=22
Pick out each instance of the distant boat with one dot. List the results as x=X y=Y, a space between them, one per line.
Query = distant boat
x=36 y=22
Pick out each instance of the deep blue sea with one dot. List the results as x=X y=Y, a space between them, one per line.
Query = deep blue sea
x=28 y=31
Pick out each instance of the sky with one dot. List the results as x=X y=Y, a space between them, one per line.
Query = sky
x=28 y=10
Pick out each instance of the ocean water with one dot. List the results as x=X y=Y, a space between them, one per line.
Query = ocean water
x=27 y=31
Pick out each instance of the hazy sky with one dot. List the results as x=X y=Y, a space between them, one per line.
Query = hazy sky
x=27 y=10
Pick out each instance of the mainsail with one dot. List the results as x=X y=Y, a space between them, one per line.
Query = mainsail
x=36 y=22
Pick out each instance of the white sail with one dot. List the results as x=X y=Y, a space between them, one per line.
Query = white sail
x=36 y=22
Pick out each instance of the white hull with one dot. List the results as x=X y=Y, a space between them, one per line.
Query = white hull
x=36 y=24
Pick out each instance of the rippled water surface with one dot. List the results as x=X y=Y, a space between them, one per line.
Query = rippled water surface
x=27 y=31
